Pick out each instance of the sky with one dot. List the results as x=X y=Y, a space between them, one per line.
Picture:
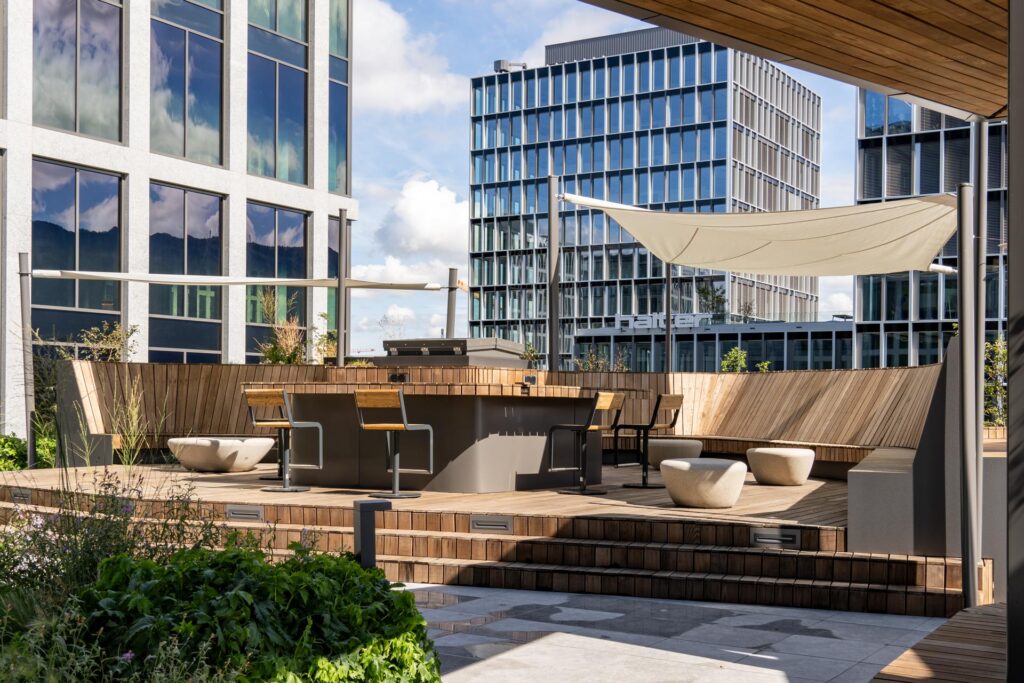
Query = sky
x=412 y=61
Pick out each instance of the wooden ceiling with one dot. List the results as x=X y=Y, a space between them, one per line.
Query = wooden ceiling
x=951 y=53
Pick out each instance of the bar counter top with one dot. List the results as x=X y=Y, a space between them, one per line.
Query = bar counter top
x=432 y=389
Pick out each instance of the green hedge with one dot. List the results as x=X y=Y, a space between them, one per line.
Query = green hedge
x=236 y=616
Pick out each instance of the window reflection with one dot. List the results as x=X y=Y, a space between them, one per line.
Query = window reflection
x=277 y=89
x=186 y=76
x=77 y=66
x=76 y=225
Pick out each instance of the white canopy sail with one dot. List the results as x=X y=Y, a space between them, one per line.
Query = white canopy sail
x=868 y=239
x=219 y=280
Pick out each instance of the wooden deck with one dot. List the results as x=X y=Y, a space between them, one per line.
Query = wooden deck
x=819 y=502
x=969 y=647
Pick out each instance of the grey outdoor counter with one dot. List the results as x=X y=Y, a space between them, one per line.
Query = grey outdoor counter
x=487 y=438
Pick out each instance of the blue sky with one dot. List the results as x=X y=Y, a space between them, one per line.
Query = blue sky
x=412 y=61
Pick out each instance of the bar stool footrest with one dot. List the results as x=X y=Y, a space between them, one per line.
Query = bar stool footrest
x=582 y=492
x=394 y=495
x=285 y=489
x=632 y=485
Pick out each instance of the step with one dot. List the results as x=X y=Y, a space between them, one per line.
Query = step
x=895 y=570
x=617 y=526
x=706 y=586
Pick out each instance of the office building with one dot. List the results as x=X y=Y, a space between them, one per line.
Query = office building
x=652 y=118
x=905 y=150
x=171 y=137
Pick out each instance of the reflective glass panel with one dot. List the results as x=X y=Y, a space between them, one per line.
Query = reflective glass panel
x=262 y=114
x=53 y=231
x=54 y=52
x=99 y=70
x=339 y=27
x=167 y=89
x=203 y=135
x=166 y=229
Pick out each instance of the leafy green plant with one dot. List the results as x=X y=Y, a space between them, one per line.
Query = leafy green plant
x=531 y=355
x=764 y=366
x=995 y=382
x=360 y=363
x=13 y=453
x=311 y=617
x=734 y=360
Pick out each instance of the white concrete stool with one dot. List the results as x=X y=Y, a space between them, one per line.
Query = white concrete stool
x=703 y=482
x=660 y=450
x=220 y=454
x=780 y=466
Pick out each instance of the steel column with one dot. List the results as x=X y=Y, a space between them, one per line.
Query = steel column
x=554 y=279
x=341 y=302
x=453 y=287
x=669 y=345
x=970 y=551
x=25 y=281
x=980 y=269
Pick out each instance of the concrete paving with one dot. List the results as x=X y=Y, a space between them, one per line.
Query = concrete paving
x=495 y=635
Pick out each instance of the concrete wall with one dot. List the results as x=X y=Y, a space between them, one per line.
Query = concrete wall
x=20 y=141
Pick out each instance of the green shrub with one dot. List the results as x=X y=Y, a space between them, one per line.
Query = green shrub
x=13 y=453
x=312 y=617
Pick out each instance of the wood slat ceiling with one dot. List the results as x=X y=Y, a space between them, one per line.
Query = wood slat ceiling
x=952 y=53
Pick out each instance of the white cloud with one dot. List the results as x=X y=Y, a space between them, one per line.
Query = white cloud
x=577 y=22
x=396 y=70
x=393 y=269
x=835 y=296
x=426 y=219
x=400 y=314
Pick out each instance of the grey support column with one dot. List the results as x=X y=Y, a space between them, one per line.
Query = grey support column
x=364 y=530
x=1015 y=355
x=970 y=545
x=25 y=280
x=554 y=275
x=669 y=345
x=981 y=268
x=453 y=287
x=341 y=311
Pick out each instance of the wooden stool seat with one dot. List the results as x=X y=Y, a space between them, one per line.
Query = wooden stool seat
x=604 y=401
x=284 y=422
x=393 y=399
x=673 y=402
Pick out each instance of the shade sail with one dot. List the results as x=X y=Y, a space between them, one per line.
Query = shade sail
x=220 y=280
x=850 y=240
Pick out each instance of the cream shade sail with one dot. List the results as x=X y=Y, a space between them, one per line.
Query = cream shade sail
x=220 y=280
x=850 y=240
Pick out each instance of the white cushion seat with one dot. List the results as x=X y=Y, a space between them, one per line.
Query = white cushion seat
x=215 y=454
x=780 y=466
x=660 y=450
x=703 y=482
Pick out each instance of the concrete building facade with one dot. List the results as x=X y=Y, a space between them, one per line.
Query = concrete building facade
x=185 y=137
x=651 y=118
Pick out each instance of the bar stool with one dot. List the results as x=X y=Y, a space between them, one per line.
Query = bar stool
x=673 y=402
x=605 y=401
x=393 y=399
x=283 y=421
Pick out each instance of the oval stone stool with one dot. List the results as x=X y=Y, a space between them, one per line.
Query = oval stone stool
x=703 y=482
x=661 y=450
x=212 y=454
x=780 y=466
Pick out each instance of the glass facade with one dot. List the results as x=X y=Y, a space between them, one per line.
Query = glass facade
x=76 y=225
x=275 y=248
x=672 y=128
x=76 y=68
x=905 y=151
x=184 y=239
x=278 y=81
x=186 y=79
x=337 y=151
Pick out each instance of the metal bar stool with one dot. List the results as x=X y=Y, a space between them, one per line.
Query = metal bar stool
x=604 y=401
x=673 y=402
x=393 y=399
x=283 y=421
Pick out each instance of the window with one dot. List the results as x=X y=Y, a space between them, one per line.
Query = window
x=874 y=113
x=76 y=225
x=275 y=248
x=900 y=116
x=871 y=169
x=338 y=117
x=186 y=80
x=278 y=55
x=898 y=166
x=958 y=159
x=184 y=239
x=76 y=68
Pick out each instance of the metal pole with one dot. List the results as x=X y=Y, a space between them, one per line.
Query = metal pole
x=1015 y=348
x=981 y=268
x=25 y=280
x=453 y=286
x=554 y=235
x=669 y=346
x=968 y=396
x=341 y=297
